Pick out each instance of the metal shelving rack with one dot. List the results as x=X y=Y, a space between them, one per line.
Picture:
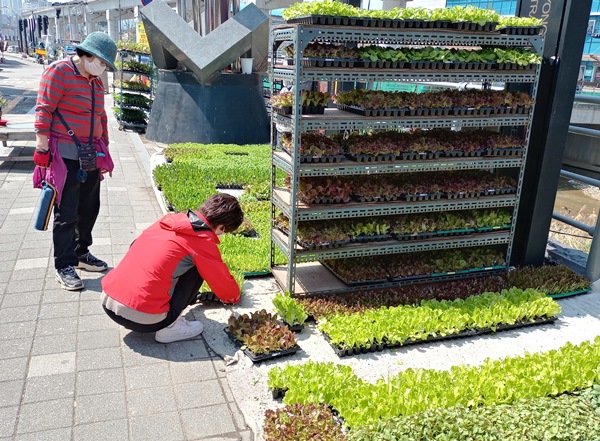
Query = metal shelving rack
x=123 y=53
x=303 y=273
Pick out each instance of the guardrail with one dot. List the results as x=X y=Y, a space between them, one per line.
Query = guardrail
x=592 y=267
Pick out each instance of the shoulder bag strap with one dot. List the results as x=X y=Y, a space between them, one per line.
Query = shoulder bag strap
x=71 y=132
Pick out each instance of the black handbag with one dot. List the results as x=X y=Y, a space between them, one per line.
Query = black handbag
x=85 y=152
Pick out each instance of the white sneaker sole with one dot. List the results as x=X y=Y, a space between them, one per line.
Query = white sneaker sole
x=67 y=287
x=91 y=268
x=174 y=339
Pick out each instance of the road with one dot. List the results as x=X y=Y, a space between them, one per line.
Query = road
x=19 y=79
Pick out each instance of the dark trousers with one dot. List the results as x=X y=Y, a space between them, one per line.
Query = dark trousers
x=184 y=294
x=74 y=219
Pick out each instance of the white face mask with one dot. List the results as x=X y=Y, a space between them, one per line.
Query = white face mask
x=94 y=67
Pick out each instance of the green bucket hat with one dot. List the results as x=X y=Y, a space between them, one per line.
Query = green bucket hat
x=102 y=46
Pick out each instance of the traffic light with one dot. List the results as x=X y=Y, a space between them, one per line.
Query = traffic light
x=20 y=25
x=39 y=25
x=46 y=24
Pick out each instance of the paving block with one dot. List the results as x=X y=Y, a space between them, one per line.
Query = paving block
x=163 y=426
x=153 y=375
x=49 y=387
x=144 y=402
x=115 y=430
x=45 y=415
x=198 y=370
x=96 y=323
x=103 y=358
x=10 y=392
x=47 y=435
x=20 y=314
x=13 y=369
x=174 y=41
x=52 y=364
x=18 y=347
x=102 y=407
x=18 y=286
x=53 y=344
x=101 y=380
x=106 y=338
x=199 y=394
x=55 y=326
x=8 y=418
x=217 y=421
x=9 y=331
x=23 y=299
x=31 y=263
x=187 y=350
x=58 y=310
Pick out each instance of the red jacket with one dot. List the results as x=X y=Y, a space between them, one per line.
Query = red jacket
x=144 y=280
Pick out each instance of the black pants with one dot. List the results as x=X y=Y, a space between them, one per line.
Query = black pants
x=184 y=294
x=74 y=219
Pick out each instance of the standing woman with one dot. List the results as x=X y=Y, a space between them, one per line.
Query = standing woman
x=71 y=151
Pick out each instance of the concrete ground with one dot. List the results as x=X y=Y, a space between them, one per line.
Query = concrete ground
x=67 y=372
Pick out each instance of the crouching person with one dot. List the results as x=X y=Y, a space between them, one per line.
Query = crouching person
x=162 y=272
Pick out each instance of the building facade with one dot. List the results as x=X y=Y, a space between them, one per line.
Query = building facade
x=590 y=63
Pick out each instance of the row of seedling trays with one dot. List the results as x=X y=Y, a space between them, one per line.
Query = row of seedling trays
x=411 y=65
x=412 y=156
x=416 y=196
x=330 y=20
x=435 y=111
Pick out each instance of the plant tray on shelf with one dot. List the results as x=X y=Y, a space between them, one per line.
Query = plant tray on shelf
x=472 y=111
x=521 y=30
x=260 y=357
x=421 y=197
x=370 y=238
x=570 y=293
x=413 y=236
x=461 y=232
x=354 y=282
x=463 y=154
x=519 y=110
x=498 y=191
x=424 y=65
x=328 y=62
x=462 y=194
x=495 y=228
x=343 y=352
x=381 y=64
x=372 y=158
x=326 y=200
x=429 y=111
x=322 y=246
x=316 y=159
x=514 y=66
x=306 y=110
x=372 y=112
x=375 y=198
x=326 y=20
x=420 y=156
x=471 y=26
x=504 y=151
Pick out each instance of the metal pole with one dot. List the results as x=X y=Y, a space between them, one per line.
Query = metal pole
x=565 y=23
x=592 y=267
x=592 y=133
x=572 y=222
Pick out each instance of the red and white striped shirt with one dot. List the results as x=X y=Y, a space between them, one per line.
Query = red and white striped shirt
x=63 y=87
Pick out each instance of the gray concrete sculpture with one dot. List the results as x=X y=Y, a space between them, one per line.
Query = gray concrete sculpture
x=172 y=41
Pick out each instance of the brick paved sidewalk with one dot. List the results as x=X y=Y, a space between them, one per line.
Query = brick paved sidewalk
x=66 y=370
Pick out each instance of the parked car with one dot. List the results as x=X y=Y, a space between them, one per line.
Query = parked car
x=70 y=50
x=13 y=49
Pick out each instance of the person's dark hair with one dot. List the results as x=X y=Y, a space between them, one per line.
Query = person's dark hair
x=82 y=53
x=222 y=209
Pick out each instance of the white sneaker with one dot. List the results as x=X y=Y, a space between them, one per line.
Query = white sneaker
x=180 y=329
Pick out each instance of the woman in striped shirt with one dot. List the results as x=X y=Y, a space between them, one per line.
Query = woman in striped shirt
x=67 y=86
